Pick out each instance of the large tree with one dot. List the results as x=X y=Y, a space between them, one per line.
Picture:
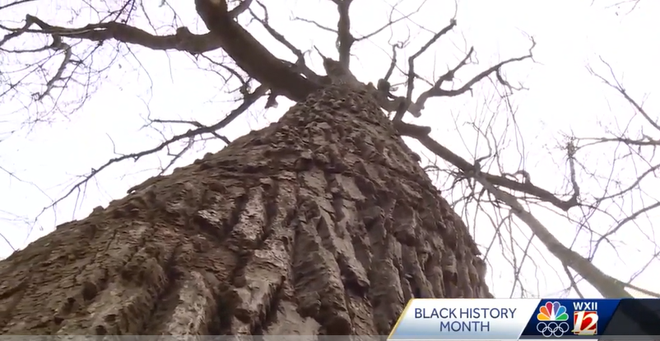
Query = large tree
x=321 y=223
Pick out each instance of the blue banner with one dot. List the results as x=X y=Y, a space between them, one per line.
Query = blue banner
x=514 y=319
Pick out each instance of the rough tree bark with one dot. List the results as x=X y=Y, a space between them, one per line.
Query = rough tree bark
x=320 y=224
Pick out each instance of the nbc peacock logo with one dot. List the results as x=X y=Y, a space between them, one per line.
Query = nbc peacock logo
x=552 y=311
x=552 y=319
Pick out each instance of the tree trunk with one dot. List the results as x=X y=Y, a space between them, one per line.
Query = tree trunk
x=320 y=224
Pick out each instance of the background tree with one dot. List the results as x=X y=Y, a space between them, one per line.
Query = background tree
x=477 y=187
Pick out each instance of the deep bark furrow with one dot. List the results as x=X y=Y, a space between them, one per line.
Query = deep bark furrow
x=194 y=303
x=247 y=233
x=319 y=224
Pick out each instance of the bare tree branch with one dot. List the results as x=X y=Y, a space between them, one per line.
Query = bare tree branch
x=618 y=87
x=247 y=102
x=410 y=83
x=183 y=40
x=345 y=39
x=299 y=65
x=18 y=2
x=251 y=55
x=391 y=21
x=608 y=286
x=437 y=91
x=327 y=29
x=242 y=7
x=468 y=168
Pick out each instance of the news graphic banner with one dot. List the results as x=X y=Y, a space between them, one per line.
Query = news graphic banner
x=517 y=319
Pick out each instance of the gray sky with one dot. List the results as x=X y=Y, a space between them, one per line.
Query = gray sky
x=562 y=97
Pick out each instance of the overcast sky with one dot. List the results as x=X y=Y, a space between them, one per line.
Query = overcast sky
x=562 y=96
